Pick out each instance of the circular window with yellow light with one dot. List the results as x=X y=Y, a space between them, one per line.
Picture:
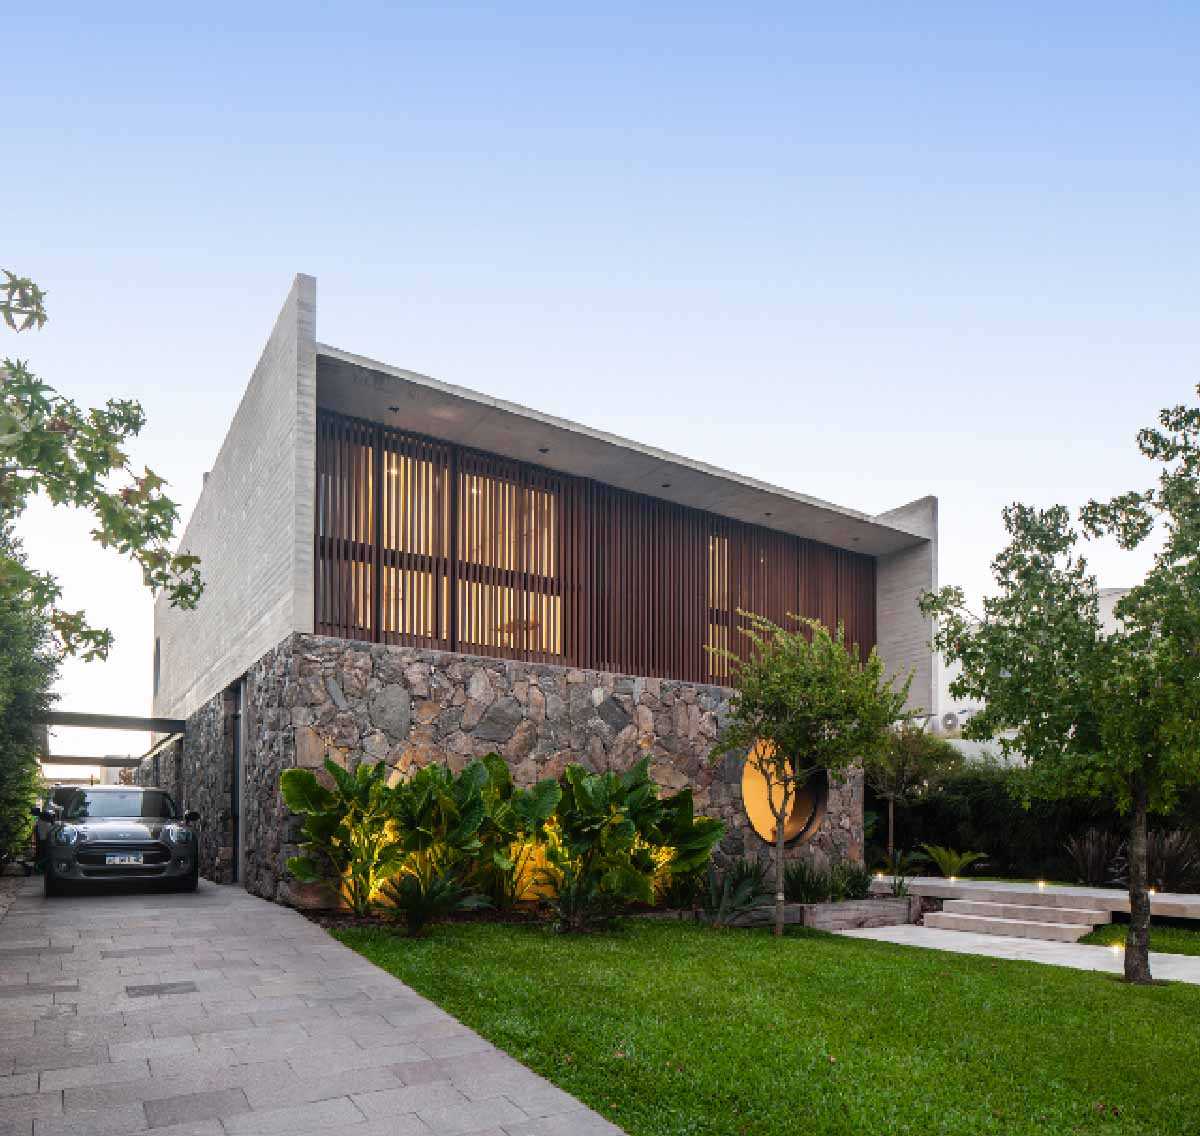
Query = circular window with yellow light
x=808 y=804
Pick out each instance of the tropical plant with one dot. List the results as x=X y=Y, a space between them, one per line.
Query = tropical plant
x=804 y=701
x=909 y=763
x=1096 y=854
x=427 y=890
x=436 y=811
x=27 y=669
x=350 y=837
x=77 y=458
x=901 y=867
x=849 y=881
x=595 y=862
x=1109 y=711
x=806 y=883
x=949 y=862
x=513 y=834
x=729 y=896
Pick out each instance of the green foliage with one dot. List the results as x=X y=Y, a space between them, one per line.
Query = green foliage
x=806 y=883
x=512 y=834
x=426 y=891
x=1094 y=854
x=909 y=763
x=27 y=669
x=850 y=881
x=597 y=863
x=805 y=701
x=729 y=896
x=77 y=458
x=948 y=861
x=1111 y=713
x=439 y=811
x=350 y=839
x=901 y=867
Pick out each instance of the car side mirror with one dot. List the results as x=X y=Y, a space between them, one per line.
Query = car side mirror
x=191 y=816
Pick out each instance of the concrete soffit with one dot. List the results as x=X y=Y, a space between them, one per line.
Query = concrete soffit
x=365 y=388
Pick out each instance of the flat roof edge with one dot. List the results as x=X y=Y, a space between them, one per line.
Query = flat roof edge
x=628 y=445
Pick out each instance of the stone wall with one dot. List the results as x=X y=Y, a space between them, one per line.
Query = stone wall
x=312 y=696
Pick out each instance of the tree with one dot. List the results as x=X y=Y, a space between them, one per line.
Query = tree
x=1111 y=713
x=77 y=457
x=910 y=760
x=27 y=670
x=804 y=702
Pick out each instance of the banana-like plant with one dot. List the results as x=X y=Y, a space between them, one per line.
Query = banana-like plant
x=434 y=809
x=513 y=833
x=350 y=838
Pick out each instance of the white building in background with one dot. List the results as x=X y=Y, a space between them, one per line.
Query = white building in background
x=953 y=715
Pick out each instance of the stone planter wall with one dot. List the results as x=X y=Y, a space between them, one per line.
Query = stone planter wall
x=841 y=916
x=314 y=696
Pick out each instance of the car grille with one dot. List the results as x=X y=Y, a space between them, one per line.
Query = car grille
x=154 y=854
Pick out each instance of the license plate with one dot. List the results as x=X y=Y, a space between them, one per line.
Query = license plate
x=123 y=858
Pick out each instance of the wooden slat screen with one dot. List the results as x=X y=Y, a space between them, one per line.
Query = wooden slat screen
x=423 y=543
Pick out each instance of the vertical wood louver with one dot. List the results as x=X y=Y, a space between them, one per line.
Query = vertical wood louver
x=428 y=544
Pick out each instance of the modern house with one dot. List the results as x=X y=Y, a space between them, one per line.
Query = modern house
x=401 y=569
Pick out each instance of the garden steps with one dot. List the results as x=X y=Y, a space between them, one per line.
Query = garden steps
x=1000 y=925
x=1032 y=912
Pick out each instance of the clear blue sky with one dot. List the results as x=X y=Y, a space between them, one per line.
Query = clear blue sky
x=864 y=251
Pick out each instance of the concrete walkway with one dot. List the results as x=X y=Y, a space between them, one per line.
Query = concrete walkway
x=1177 y=968
x=218 y=1014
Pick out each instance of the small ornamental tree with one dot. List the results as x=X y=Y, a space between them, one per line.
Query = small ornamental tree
x=1095 y=711
x=804 y=701
x=76 y=457
x=910 y=760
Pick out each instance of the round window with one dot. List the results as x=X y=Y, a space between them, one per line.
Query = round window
x=805 y=815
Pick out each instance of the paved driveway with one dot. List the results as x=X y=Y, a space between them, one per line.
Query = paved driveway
x=217 y=1013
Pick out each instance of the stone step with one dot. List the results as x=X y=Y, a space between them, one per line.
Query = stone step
x=1022 y=928
x=1030 y=912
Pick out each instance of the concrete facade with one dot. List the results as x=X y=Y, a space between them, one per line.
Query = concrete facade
x=252 y=527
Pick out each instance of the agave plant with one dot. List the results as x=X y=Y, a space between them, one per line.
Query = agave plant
x=729 y=896
x=949 y=862
x=350 y=838
x=1097 y=855
x=1172 y=861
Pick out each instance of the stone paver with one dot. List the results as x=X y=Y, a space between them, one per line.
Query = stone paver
x=1176 y=968
x=219 y=1014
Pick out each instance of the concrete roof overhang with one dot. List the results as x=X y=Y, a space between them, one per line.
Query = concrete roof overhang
x=365 y=388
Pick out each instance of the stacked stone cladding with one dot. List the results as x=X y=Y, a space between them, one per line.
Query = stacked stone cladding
x=314 y=696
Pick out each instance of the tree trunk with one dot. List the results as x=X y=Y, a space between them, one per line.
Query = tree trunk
x=891 y=828
x=779 y=892
x=1137 y=942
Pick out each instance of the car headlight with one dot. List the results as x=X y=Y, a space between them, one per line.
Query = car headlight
x=66 y=834
x=177 y=834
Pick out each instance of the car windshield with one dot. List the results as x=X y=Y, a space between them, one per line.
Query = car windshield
x=153 y=804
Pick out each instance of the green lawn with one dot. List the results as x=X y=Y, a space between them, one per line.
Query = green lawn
x=670 y=1029
x=1168 y=938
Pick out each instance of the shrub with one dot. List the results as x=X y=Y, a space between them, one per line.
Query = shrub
x=426 y=891
x=1172 y=861
x=806 y=883
x=728 y=896
x=850 y=881
x=948 y=861
x=1096 y=855
x=351 y=839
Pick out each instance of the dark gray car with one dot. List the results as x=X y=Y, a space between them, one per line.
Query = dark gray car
x=119 y=832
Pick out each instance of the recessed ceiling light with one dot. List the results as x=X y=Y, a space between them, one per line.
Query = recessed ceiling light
x=666 y=485
x=543 y=449
x=766 y=514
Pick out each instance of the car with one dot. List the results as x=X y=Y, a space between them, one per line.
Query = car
x=105 y=833
x=56 y=797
